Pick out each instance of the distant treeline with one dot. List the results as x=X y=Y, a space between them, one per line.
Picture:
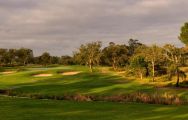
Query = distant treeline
x=24 y=56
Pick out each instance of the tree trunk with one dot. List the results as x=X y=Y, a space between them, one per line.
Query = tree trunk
x=178 y=78
x=24 y=63
x=90 y=65
x=153 y=70
x=141 y=75
x=91 y=68
x=113 y=64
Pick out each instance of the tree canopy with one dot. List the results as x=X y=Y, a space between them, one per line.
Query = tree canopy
x=184 y=34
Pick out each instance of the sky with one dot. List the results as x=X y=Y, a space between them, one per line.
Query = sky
x=61 y=26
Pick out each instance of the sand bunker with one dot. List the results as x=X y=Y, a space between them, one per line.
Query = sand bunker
x=70 y=73
x=8 y=72
x=43 y=75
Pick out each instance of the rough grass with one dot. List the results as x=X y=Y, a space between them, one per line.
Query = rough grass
x=27 y=109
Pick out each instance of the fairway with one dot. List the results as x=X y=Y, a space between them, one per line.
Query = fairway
x=26 y=109
x=58 y=81
x=67 y=80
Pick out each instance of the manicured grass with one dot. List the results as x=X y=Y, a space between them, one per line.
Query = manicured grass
x=101 y=82
x=27 y=109
x=84 y=82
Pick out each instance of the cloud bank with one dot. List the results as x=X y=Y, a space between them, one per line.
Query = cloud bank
x=60 y=26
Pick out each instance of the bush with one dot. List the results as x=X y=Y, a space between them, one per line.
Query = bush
x=156 y=98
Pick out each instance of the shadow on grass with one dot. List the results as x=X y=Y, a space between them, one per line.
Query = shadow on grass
x=83 y=83
x=58 y=110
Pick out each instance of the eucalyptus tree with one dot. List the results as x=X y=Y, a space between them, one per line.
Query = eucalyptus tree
x=24 y=55
x=55 y=60
x=45 y=59
x=66 y=60
x=3 y=53
x=133 y=45
x=115 y=55
x=184 y=34
x=183 y=37
x=153 y=55
x=89 y=54
x=12 y=56
x=139 y=65
x=175 y=57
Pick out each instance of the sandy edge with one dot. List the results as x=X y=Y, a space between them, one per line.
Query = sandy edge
x=43 y=75
x=70 y=73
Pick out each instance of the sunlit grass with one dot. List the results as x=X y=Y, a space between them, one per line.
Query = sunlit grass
x=101 y=82
x=27 y=109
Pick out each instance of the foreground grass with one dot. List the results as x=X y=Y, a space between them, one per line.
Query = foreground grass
x=27 y=109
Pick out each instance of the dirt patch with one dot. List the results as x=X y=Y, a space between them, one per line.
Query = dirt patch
x=8 y=72
x=43 y=75
x=70 y=73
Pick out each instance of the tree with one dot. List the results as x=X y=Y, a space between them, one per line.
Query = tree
x=139 y=65
x=3 y=53
x=175 y=57
x=133 y=44
x=55 y=60
x=184 y=34
x=12 y=55
x=24 y=55
x=89 y=54
x=153 y=55
x=66 y=60
x=115 y=55
x=45 y=58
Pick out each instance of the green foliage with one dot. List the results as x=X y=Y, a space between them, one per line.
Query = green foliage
x=89 y=54
x=175 y=57
x=184 y=34
x=24 y=55
x=12 y=57
x=115 y=55
x=133 y=45
x=45 y=58
x=139 y=65
x=66 y=60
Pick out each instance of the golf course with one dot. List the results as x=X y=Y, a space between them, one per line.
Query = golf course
x=93 y=60
x=32 y=87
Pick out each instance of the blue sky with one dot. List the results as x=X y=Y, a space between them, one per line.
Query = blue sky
x=61 y=26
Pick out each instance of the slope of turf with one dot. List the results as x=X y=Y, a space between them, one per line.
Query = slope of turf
x=98 y=83
x=27 y=109
x=84 y=82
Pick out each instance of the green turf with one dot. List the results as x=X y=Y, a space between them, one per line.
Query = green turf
x=25 y=109
x=97 y=83
x=84 y=82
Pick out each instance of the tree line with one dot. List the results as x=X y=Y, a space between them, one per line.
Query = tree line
x=25 y=56
x=135 y=57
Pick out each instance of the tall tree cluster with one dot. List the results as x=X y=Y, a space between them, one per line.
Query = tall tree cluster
x=144 y=60
x=12 y=57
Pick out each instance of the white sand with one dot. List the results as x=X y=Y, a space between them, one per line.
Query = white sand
x=8 y=72
x=43 y=75
x=71 y=73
